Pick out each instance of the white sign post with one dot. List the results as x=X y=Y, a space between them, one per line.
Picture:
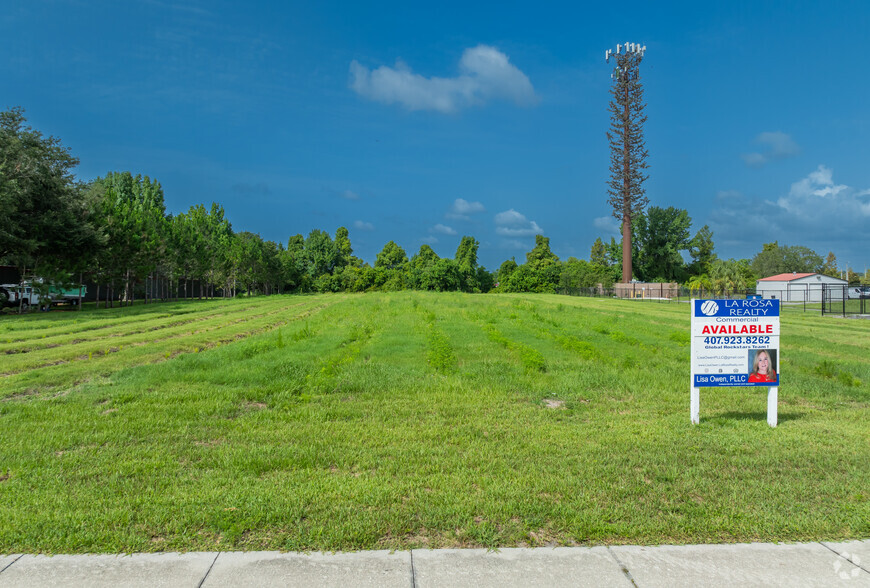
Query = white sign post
x=735 y=343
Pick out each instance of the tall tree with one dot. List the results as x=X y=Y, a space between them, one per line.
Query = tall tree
x=425 y=257
x=541 y=256
x=293 y=259
x=701 y=249
x=466 y=258
x=446 y=276
x=132 y=216
x=830 y=267
x=598 y=254
x=627 y=148
x=540 y=273
x=391 y=257
x=184 y=239
x=246 y=258
x=614 y=254
x=343 y=248
x=661 y=234
x=255 y=264
x=579 y=273
x=211 y=234
x=321 y=254
x=44 y=219
x=421 y=268
x=505 y=270
x=776 y=259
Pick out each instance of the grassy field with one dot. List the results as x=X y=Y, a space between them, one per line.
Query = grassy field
x=404 y=420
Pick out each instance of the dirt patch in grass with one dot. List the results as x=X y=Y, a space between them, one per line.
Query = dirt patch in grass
x=209 y=443
x=19 y=395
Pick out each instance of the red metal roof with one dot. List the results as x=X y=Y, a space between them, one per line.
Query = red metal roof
x=784 y=277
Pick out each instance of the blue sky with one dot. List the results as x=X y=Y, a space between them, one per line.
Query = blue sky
x=421 y=123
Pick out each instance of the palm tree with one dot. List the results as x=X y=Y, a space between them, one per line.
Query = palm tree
x=698 y=283
x=727 y=276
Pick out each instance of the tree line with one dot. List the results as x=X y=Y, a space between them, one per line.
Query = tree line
x=115 y=232
x=665 y=250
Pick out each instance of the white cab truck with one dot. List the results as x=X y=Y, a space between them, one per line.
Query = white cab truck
x=40 y=295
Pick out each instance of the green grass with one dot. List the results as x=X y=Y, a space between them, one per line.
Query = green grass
x=412 y=419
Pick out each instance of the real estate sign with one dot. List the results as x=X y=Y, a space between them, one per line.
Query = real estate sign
x=735 y=343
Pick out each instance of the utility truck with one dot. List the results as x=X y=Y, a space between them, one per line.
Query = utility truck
x=38 y=294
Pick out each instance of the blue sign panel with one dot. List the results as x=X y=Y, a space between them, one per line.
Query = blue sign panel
x=736 y=308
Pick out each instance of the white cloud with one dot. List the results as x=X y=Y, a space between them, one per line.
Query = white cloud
x=754 y=159
x=430 y=239
x=803 y=196
x=863 y=198
x=509 y=217
x=514 y=244
x=815 y=212
x=462 y=209
x=779 y=146
x=608 y=224
x=511 y=223
x=444 y=229
x=822 y=175
x=532 y=229
x=485 y=73
x=363 y=226
x=350 y=195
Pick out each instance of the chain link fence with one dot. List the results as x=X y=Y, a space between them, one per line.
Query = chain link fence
x=825 y=299
x=846 y=300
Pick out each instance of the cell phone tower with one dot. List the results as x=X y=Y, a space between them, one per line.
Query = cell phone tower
x=627 y=147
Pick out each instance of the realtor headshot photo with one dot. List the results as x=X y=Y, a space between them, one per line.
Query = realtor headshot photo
x=762 y=365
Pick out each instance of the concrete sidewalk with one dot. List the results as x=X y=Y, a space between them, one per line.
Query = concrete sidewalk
x=669 y=566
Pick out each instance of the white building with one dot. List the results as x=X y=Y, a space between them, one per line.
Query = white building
x=795 y=287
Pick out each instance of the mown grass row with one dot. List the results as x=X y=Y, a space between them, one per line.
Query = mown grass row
x=95 y=328
x=82 y=358
x=439 y=353
x=38 y=325
x=113 y=342
x=411 y=419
